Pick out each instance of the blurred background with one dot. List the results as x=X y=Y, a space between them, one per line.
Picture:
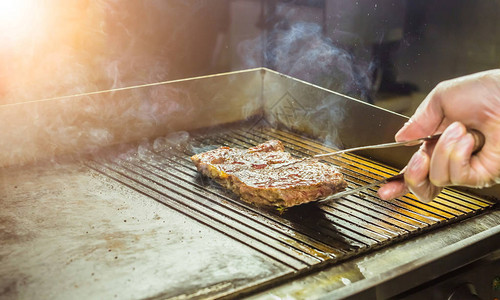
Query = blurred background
x=389 y=53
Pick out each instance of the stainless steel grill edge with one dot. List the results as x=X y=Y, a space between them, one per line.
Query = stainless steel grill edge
x=140 y=221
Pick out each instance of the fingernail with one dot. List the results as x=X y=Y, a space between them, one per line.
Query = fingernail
x=402 y=129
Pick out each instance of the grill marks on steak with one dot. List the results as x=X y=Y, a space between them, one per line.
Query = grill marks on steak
x=255 y=176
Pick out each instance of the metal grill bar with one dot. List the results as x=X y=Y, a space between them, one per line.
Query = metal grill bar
x=301 y=238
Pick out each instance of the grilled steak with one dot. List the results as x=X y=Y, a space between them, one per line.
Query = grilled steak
x=253 y=174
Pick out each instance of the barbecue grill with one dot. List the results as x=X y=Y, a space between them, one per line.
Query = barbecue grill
x=100 y=199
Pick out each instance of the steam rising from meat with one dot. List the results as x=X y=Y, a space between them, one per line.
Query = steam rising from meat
x=301 y=50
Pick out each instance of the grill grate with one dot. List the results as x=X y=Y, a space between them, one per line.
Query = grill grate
x=301 y=238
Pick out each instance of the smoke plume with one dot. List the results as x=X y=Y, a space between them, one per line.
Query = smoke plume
x=302 y=50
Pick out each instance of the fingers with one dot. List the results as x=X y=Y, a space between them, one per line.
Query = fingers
x=446 y=148
x=460 y=158
x=416 y=177
x=392 y=190
x=448 y=162
x=452 y=162
x=468 y=169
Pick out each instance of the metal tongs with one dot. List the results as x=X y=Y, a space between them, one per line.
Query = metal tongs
x=479 y=140
x=415 y=142
x=361 y=188
x=419 y=141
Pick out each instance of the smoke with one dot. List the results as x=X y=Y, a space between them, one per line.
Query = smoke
x=302 y=50
x=172 y=140
x=81 y=46
x=56 y=48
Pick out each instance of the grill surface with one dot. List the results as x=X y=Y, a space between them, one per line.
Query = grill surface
x=300 y=239
x=140 y=222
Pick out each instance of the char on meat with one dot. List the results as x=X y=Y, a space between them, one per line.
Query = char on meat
x=256 y=176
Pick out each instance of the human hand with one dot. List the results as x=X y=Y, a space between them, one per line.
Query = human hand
x=471 y=101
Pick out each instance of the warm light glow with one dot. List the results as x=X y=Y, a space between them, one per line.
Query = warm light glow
x=51 y=48
x=19 y=19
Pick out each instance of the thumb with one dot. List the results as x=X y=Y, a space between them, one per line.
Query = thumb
x=426 y=119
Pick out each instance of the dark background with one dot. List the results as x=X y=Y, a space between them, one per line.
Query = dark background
x=390 y=53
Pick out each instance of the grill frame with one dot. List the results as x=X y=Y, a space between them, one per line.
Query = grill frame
x=265 y=98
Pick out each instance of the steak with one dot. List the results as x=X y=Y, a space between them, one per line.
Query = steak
x=255 y=174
